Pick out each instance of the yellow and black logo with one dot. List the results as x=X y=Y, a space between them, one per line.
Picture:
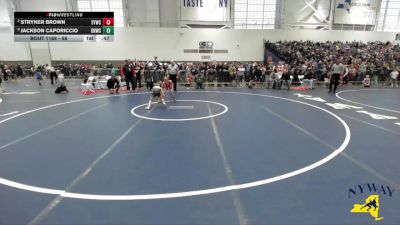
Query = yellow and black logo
x=370 y=206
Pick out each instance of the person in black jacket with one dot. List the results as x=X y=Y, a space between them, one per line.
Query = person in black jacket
x=258 y=76
x=128 y=74
x=139 y=72
x=113 y=85
x=285 y=79
x=20 y=73
x=295 y=73
x=1 y=89
x=219 y=70
x=309 y=78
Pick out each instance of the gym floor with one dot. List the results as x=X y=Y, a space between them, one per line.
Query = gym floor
x=216 y=156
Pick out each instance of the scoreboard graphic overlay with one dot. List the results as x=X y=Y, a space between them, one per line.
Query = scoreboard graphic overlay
x=64 y=26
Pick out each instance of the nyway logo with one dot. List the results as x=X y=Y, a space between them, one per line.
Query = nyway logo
x=372 y=203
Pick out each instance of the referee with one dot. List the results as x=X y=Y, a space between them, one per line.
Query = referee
x=337 y=72
x=173 y=72
x=129 y=75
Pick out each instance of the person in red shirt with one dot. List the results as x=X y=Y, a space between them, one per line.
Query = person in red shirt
x=167 y=84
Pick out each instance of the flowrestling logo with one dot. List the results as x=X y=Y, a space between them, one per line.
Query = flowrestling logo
x=349 y=5
x=344 y=5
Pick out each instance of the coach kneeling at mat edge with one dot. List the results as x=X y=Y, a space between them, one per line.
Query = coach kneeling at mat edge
x=199 y=79
x=113 y=84
x=61 y=84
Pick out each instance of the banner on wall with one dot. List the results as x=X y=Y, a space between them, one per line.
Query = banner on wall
x=205 y=10
x=362 y=12
x=207 y=45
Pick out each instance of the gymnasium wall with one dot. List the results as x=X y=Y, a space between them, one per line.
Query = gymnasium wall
x=169 y=43
x=10 y=51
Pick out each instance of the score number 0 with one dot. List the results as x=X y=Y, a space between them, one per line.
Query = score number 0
x=108 y=21
x=108 y=26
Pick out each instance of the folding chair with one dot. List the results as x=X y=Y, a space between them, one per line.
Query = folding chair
x=301 y=81
x=326 y=82
x=95 y=82
x=103 y=82
x=279 y=81
x=87 y=87
x=308 y=83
